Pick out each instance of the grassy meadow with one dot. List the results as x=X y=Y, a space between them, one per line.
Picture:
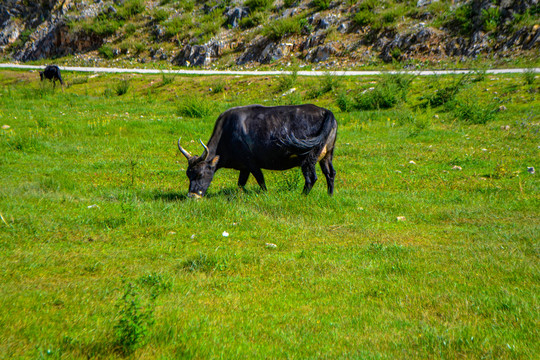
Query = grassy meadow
x=428 y=249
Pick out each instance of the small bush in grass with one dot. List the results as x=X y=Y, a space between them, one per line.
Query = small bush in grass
x=254 y=19
x=286 y=82
x=122 y=87
x=159 y=15
x=130 y=29
x=106 y=51
x=135 y=317
x=344 y=102
x=130 y=9
x=289 y=3
x=490 y=18
x=446 y=94
x=329 y=82
x=194 y=107
x=391 y=90
x=321 y=4
x=529 y=76
x=364 y=18
x=279 y=28
x=218 y=87
x=255 y=5
x=167 y=78
x=102 y=26
x=472 y=112
x=139 y=47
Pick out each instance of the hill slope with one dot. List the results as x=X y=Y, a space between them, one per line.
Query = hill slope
x=228 y=33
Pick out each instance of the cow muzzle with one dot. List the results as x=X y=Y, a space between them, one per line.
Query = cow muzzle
x=194 y=195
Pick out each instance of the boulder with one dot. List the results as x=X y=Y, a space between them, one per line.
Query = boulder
x=198 y=55
x=235 y=14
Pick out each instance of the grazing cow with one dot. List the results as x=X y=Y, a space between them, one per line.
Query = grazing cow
x=254 y=137
x=51 y=72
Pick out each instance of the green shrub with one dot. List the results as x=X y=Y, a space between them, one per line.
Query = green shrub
x=122 y=87
x=328 y=82
x=529 y=76
x=321 y=4
x=135 y=317
x=139 y=47
x=391 y=90
x=460 y=18
x=194 y=107
x=130 y=9
x=261 y=5
x=177 y=25
x=101 y=26
x=490 y=18
x=254 y=19
x=167 y=78
x=279 y=28
x=106 y=51
x=344 y=102
x=472 y=112
x=286 y=82
x=159 y=15
x=130 y=29
x=218 y=87
x=364 y=18
x=289 y=3
x=446 y=94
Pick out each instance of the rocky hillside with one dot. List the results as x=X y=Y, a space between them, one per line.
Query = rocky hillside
x=248 y=33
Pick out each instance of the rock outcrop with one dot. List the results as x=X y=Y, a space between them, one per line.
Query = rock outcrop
x=32 y=30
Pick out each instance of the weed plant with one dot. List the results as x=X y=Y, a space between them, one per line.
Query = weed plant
x=122 y=87
x=194 y=107
x=135 y=318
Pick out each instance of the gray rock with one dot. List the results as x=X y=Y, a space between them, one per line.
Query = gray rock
x=234 y=15
x=321 y=53
x=198 y=55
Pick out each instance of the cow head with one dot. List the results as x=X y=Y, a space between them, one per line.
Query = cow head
x=41 y=75
x=200 y=171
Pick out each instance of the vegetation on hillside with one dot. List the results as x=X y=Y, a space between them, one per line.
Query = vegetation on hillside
x=138 y=29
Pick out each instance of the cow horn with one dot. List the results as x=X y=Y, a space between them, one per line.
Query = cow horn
x=206 y=152
x=183 y=151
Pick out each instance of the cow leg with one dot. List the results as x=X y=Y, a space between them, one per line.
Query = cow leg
x=259 y=177
x=242 y=180
x=308 y=169
x=329 y=173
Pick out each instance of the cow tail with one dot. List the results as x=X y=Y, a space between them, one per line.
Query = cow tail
x=318 y=141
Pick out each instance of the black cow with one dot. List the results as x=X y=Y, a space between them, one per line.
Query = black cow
x=51 y=72
x=255 y=137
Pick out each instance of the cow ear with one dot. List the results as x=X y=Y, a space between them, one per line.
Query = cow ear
x=214 y=161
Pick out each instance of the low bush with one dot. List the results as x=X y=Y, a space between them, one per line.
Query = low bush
x=260 y=5
x=254 y=19
x=321 y=4
x=446 y=94
x=277 y=29
x=135 y=317
x=194 y=107
x=122 y=87
x=470 y=111
x=391 y=90
x=106 y=51
x=328 y=82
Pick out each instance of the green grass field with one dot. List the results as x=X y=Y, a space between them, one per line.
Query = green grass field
x=428 y=249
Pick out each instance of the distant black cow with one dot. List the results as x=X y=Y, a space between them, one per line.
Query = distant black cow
x=51 y=72
x=255 y=137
